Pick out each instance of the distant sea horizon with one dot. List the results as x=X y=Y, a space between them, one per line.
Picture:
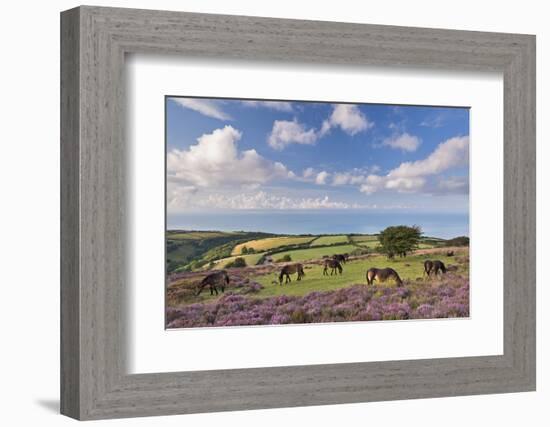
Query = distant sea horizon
x=442 y=225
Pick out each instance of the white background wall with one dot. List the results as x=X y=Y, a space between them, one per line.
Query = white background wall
x=29 y=224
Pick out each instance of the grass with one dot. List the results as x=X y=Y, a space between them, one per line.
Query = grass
x=197 y=235
x=251 y=259
x=366 y=241
x=354 y=273
x=329 y=240
x=410 y=267
x=364 y=238
x=424 y=245
x=315 y=252
x=271 y=243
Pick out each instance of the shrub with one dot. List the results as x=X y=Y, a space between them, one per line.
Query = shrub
x=236 y=263
x=355 y=303
x=286 y=258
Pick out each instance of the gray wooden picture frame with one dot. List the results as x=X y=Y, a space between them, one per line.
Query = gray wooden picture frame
x=94 y=41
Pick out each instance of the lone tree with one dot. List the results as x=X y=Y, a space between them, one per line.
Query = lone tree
x=244 y=250
x=400 y=239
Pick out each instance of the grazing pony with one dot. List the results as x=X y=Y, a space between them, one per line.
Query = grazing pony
x=428 y=266
x=287 y=270
x=341 y=258
x=334 y=265
x=450 y=253
x=439 y=267
x=213 y=280
x=382 y=274
x=435 y=267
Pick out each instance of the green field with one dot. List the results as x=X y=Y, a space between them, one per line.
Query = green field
x=364 y=238
x=411 y=268
x=198 y=235
x=315 y=253
x=195 y=250
x=354 y=273
x=191 y=250
x=250 y=259
x=366 y=241
x=329 y=240
x=271 y=243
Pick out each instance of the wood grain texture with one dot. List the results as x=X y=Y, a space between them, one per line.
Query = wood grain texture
x=70 y=292
x=94 y=235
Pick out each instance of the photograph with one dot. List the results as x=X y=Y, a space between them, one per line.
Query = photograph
x=300 y=212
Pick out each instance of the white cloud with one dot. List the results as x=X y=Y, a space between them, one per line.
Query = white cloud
x=179 y=195
x=448 y=154
x=308 y=173
x=287 y=132
x=404 y=142
x=215 y=161
x=263 y=200
x=348 y=178
x=341 y=179
x=433 y=122
x=355 y=176
x=348 y=117
x=321 y=177
x=273 y=105
x=207 y=107
x=453 y=185
x=413 y=176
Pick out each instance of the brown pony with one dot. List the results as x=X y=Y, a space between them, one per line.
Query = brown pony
x=439 y=267
x=428 y=266
x=220 y=278
x=334 y=265
x=341 y=258
x=435 y=267
x=382 y=274
x=287 y=270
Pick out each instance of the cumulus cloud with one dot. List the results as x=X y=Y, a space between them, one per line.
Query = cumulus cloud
x=404 y=142
x=453 y=185
x=308 y=173
x=354 y=177
x=321 y=178
x=207 y=107
x=413 y=176
x=287 y=132
x=215 y=160
x=263 y=200
x=348 y=117
x=179 y=195
x=448 y=154
x=273 y=105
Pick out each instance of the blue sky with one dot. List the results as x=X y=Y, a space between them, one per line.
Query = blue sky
x=260 y=155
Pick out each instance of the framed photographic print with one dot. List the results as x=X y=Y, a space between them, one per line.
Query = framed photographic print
x=292 y=213
x=281 y=212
